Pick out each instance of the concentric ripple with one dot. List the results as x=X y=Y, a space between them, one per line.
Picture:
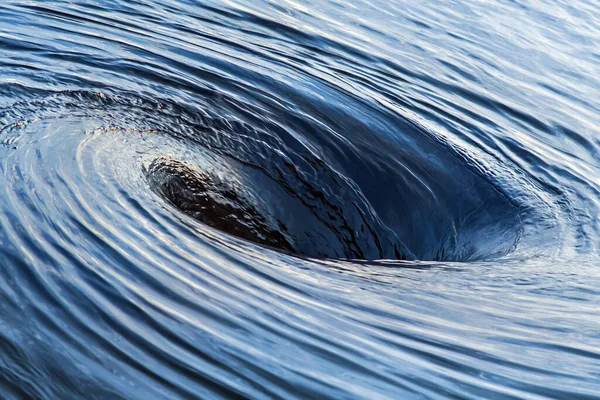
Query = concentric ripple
x=316 y=200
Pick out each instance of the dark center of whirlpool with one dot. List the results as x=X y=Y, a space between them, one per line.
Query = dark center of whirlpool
x=253 y=185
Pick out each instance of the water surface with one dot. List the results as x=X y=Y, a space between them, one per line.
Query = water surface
x=405 y=199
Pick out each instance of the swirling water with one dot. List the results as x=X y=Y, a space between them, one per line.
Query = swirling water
x=432 y=170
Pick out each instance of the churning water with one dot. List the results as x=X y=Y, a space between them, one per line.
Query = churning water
x=320 y=198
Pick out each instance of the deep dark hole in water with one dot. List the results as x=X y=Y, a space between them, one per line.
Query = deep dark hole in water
x=227 y=205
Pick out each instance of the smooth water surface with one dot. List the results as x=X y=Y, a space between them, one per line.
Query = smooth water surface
x=316 y=199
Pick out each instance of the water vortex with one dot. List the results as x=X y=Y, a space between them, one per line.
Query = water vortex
x=281 y=200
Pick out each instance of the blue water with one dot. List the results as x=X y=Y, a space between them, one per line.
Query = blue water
x=433 y=169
